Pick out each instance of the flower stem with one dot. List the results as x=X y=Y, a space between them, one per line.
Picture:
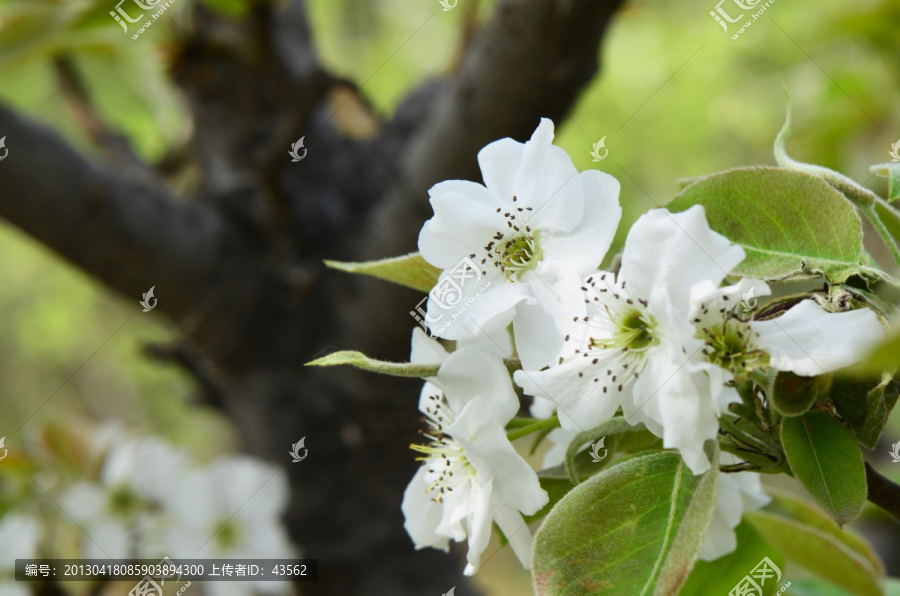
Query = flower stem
x=551 y=422
x=881 y=228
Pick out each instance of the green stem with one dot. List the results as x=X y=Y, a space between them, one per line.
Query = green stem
x=872 y=214
x=551 y=422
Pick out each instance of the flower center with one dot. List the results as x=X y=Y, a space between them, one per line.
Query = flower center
x=444 y=458
x=633 y=331
x=516 y=250
x=728 y=338
x=729 y=345
x=123 y=501
x=229 y=534
x=619 y=332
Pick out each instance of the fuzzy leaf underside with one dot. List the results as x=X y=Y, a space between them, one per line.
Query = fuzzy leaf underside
x=411 y=270
x=790 y=223
x=633 y=529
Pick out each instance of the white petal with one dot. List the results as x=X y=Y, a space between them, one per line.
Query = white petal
x=19 y=535
x=422 y=515
x=499 y=161
x=462 y=224
x=106 y=538
x=579 y=401
x=720 y=539
x=584 y=247
x=493 y=338
x=516 y=531
x=547 y=181
x=488 y=304
x=428 y=390
x=542 y=408
x=560 y=439
x=688 y=395
x=426 y=350
x=492 y=455
x=479 y=524
x=13 y=588
x=130 y=463
x=809 y=341
x=744 y=293
x=539 y=327
x=472 y=372
x=738 y=493
x=667 y=253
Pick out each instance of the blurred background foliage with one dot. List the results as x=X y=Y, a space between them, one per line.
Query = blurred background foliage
x=676 y=98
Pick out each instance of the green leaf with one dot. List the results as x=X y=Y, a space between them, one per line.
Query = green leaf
x=720 y=576
x=360 y=360
x=806 y=513
x=613 y=426
x=819 y=552
x=864 y=404
x=857 y=194
x=790 y=224
x=864 y=199
x=891 y=171
x=827 y=461
x=792 y=395
x=411 y=270
x=633 y=529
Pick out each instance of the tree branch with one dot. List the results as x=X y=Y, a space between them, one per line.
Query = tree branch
x=129 y=235
x=883 y=492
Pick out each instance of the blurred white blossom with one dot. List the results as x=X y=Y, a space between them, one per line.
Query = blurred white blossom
x=20 y=536
x=232 y=508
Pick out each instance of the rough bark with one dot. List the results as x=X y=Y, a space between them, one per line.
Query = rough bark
x=237 y=266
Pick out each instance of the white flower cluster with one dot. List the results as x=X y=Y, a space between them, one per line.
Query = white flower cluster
x=661 y=339
x=151 y=501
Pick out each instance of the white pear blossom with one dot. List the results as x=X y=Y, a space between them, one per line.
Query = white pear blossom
x=631 y=343
x=738 y=492
x=231 y=509
x=663 y=341
x=471 y=475
x=120 y=515
x=535 y=224
x=20 y=535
